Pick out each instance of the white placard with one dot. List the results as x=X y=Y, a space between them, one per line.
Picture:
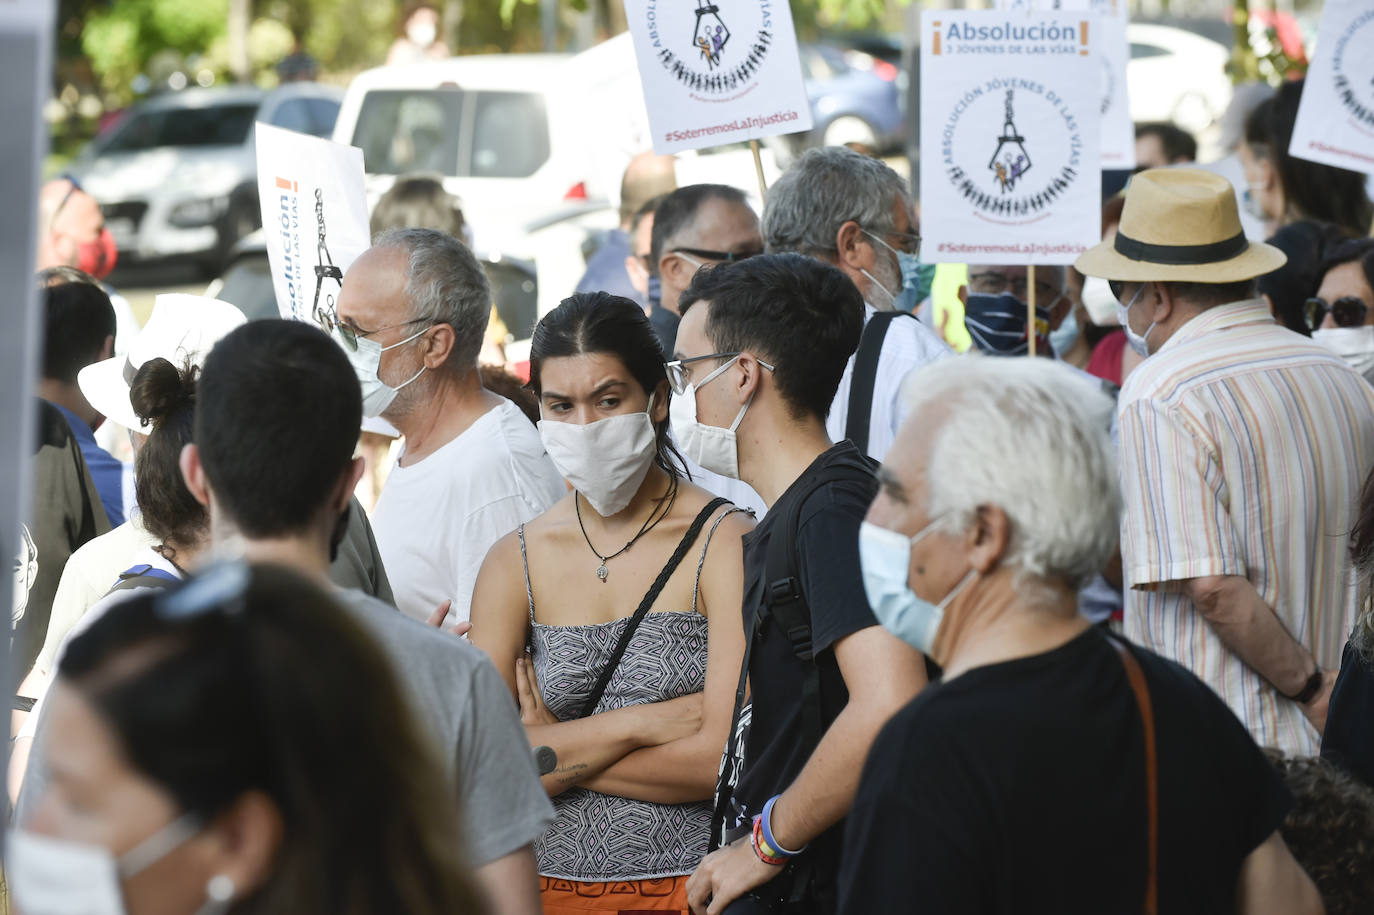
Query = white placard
x=1113 y=51
x=1335 y=123
x=718 y=71
x=314 y=214
x=1009 y=134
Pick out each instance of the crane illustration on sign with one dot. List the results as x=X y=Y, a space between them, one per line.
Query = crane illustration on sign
x=1011 y=160
x=711 y=33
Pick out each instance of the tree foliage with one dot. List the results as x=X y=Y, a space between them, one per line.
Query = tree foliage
x=122 y=37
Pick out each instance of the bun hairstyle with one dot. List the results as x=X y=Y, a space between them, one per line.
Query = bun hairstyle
x=164 y=399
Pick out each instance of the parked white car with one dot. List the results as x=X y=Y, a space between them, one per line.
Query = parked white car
x=176 y=176
x=533 y=145
x=1176 y=75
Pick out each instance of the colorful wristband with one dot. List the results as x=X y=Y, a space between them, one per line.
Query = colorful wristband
x=761 y=849
x=767 y=828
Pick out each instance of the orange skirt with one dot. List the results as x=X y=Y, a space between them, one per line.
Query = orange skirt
x=622 y=897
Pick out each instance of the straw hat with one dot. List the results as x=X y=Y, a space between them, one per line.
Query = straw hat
x=1180 y=224
x=181 y=327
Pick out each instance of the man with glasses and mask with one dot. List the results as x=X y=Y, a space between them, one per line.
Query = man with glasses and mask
x=1341 y=314
x=995 y=301
x=411 y=317
x=854 y=213
x=1243 y=451
x=694 y=226
x=761 y=349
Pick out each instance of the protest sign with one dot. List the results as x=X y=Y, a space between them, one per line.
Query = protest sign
x=1009 y=121
x=314 y=214
x=715 y=74
x=1113 y=53
x=1335 y=123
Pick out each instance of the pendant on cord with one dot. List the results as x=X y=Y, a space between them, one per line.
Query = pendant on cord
x=602 y=572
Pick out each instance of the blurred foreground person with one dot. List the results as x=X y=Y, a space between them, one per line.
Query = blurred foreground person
x=631 y=662
x=1045 y=741
x=199 y=766
x=1349 y=736
x=1243 y=449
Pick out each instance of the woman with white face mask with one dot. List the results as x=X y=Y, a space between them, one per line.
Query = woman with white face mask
x=419 y=39
x=614 y=618
x=235 y=745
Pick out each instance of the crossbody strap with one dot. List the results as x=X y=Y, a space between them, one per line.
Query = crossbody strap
x=865 y=377
x=1136 y=676
x=654 y=590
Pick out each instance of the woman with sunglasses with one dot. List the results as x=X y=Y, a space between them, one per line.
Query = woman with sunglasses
x=1341 y=314
x=198 y=766
x=614 y=617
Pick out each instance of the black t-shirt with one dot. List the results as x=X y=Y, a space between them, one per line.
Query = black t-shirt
x=1348 y=739
x=1020 y=786
x=777 y=749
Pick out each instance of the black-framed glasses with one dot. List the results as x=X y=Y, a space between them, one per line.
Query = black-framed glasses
x=728 y=257
x=1346 y=311
x=350 y=333
x=990 y=282
x=73 y=187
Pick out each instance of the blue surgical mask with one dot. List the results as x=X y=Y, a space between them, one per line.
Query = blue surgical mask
x=1066 y=335
x=885 y=562
x=997 y=324
x=917 y=279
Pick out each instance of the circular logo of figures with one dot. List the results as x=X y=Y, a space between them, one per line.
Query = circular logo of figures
x=1353 y=67
x=1011 y=176
x=713 y=47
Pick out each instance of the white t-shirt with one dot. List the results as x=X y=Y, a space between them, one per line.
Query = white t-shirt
x=907 y=345
x=436 y=519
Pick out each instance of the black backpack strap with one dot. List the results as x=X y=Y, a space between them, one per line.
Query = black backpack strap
x=144 y=576
x=865 y=376
x=655 y=589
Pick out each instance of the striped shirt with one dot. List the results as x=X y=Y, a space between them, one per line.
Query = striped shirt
x=1243 y=450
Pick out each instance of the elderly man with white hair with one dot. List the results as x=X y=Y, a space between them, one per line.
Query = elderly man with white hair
x=1051 y=767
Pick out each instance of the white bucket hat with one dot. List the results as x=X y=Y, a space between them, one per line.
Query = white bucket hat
x=182 y=327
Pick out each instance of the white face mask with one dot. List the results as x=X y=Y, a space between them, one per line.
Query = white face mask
x=50 y=876
x=366 y=360
x=1353 y=344
x=712 y=447
x=1099 y=301
x=605 y=461
x=1139 y=342
x=422 y=33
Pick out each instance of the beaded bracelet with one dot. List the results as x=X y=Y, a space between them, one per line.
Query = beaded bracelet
x=767 y=824
x=761 y=848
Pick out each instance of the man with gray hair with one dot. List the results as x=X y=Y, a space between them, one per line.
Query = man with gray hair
x=1046 y=740
x=854 y=212
x=411 y=317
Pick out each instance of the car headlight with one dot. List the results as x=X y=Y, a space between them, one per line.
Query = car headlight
x=192 y=213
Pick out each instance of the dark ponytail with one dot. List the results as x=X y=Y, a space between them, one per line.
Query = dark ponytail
x=164 y=399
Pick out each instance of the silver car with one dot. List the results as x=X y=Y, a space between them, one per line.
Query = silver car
x=176 y=177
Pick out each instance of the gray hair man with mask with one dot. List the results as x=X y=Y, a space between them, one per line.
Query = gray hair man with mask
x=1045 y=740
x=411 y=317
x=854 y=212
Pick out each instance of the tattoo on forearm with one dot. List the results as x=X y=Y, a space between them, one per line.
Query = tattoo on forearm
x=568 y=774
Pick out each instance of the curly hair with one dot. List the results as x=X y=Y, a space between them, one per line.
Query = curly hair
x=1330 y=830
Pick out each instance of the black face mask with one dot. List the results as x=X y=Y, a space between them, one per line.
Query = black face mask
x=340 y=532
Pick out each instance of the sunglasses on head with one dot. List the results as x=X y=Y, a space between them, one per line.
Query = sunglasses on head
x=1346 y=311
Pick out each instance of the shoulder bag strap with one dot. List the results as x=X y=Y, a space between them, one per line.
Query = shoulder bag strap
x=865 y=377
x=654 y=590
x=1136 y=676
x=144 y=576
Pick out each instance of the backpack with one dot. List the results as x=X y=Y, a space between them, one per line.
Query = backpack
x=144 y=576
x=865 y=376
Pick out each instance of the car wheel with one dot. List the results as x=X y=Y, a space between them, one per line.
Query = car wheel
x=849 y=129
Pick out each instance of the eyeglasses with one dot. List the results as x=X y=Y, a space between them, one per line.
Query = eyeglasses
x=350 y=332
x=992 y=283
x=1347 y=311
x=679 y=376
x=220 y=588
x=907 y=243
x=75 y=186
x=728 y=257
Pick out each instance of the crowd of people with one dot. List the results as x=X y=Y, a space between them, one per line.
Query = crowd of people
x=754 y=596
